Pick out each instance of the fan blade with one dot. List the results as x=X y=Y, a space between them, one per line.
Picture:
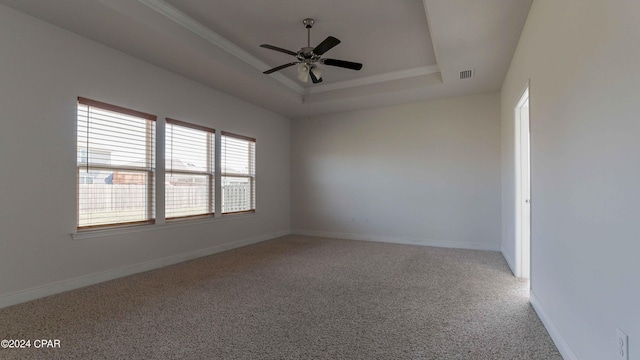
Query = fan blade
x=326 y=45
x=342 y=64
x=314 y=79
x=279 y=68
x=267 y=46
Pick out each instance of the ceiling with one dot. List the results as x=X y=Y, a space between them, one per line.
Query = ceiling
x=412 y=50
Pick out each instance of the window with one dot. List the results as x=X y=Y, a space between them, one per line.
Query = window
x=116 y=178
x=189 y=174
x=115 y=158
x=238 y=176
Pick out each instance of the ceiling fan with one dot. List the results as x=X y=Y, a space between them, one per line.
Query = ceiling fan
x=308 y=57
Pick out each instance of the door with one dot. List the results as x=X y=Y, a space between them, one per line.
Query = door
x=523 y=187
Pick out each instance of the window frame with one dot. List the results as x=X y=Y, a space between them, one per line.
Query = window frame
x=211 y=163
x=150 y=149
x=100 y=160
x=251 y=176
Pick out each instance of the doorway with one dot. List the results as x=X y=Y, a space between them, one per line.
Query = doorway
x=523 y=187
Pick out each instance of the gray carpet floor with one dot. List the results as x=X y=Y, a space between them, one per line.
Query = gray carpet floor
x=295 y=297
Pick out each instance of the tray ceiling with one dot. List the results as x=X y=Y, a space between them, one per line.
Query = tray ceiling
x=412 y=50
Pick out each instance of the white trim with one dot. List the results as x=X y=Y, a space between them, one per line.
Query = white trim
x=398 y=240
x=433 y=44
x=98 y=233
x=556 y=336
x=524 y=95
x=86 y=280
x=520 y=253
x=369 y=80
x=218 y=40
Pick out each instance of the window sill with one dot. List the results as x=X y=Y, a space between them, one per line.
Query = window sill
x=90 y=234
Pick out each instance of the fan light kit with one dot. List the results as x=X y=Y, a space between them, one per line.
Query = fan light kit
x=308 y=57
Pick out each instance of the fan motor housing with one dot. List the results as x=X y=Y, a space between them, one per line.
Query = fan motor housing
x=306 y=54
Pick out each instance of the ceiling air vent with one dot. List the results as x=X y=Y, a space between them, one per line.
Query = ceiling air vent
x=466 y=74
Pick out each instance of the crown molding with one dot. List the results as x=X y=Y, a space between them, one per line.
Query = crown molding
x=216 y=39
x=221 y=42
x=369 y=80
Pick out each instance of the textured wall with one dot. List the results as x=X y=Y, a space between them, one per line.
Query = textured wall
x=582 y=60
x=419 y=173
x=43 y=69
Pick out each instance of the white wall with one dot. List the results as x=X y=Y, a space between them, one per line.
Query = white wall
x=424 y=173
x=42 y=71
x=583 y=60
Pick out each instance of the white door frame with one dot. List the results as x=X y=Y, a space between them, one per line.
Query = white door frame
x=523 y=186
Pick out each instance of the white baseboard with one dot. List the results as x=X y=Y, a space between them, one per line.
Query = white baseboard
x=86 y=280
x=399 y=240
x=556 y=336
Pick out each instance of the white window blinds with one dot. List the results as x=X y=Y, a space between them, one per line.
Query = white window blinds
x=115 y=158
x=238 y=176
x=189 y=170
